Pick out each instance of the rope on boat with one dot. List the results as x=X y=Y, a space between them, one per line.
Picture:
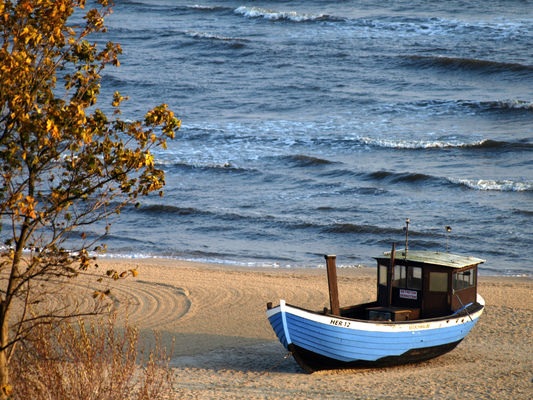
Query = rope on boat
x=463 y=307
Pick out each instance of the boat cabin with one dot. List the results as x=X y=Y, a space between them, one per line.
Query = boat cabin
x=423 y=284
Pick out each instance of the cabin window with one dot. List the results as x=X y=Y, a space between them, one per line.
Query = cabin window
x=438 y=282
x=464 y=280
x=406 y=277
x=400 y=273
x=414 y=278
x=383 y=270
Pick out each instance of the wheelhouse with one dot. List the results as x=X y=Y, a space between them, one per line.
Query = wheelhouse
x=423 y=284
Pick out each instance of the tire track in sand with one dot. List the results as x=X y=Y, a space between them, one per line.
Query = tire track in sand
x=150 y=304
x=140 y=303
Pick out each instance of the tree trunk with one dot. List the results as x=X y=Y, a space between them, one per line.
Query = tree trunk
x=5 y=387
x=5 y=307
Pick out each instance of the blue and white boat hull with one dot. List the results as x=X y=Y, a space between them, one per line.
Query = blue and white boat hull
x=321 y=341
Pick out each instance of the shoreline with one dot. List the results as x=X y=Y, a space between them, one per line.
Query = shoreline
x=213 y=316
x=259 y=265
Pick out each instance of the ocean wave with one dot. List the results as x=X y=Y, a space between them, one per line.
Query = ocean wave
x=499 y=105
x=300 y=160
x=198 y=7
x=487 y=144
x=214 y=37
x=361 y=229
x=405 y=25
x=292 y=16
x=514 y=273
x=527 y=213
x=490 y=106
x=435 y=107
x=209 y=167
x=504 y=185
x=165 y=209
x=467 y=64
x=417 y=144
x=401 y=177
x=446 y=143
x=340 y=173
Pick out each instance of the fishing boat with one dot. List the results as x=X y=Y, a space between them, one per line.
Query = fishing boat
x=427 y=302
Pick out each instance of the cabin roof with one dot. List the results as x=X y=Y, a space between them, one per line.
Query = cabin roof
x=435 y=258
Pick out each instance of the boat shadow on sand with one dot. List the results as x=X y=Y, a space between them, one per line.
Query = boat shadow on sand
x=268 y=357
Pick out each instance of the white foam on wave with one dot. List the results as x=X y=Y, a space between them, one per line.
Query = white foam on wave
x=258 y=12
x=201 y=7
x=210 y=36
x=417 y=143
x=504 y=185
x=515 y=104
x=206 y=260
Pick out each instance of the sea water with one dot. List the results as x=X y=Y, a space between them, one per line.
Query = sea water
x=316 y=127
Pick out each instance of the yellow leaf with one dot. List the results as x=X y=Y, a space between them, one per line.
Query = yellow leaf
x=149 y=159
x=7 y=390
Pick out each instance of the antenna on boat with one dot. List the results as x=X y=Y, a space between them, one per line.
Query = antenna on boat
x=406 y=229
x=448 y=230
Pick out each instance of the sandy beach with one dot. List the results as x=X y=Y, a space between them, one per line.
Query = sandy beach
x=224 y=347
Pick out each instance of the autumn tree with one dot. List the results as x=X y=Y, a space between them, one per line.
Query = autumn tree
x=65 y=165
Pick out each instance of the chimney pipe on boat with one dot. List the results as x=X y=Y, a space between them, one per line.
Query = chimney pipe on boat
x=406 y=235
x=448 y=230
x=390 y=278
x=332 y=284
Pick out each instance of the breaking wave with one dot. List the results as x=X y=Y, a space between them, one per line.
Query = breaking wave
x=500 y=105
x=211 y=36
x=504 y=185
x=423 y=144
x=293 y=16
x=414 y=144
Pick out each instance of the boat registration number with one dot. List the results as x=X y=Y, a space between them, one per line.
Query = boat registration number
x=339 y=322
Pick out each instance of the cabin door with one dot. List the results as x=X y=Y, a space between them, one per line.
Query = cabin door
x=436 y=298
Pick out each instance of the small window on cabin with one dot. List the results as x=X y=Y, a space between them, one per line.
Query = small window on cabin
x=464 y=280
x=414 y=278
x=383 y=270
x=438 y=282
x=399 y=278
